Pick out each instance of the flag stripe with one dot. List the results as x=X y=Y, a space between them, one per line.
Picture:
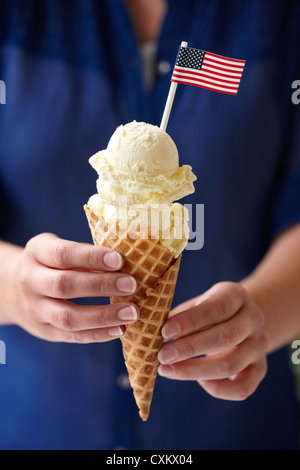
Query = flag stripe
x=201 y=79
x=218 y=65
x=225 y=78
x=225 y=65
x=217 y=76
x=207 y=63
x=213 y=69
x=224 y=59
x=208 y=83
x=207 y=79
x=205 y=86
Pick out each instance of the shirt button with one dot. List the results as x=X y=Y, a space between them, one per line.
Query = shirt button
x=163 y=67
x=123 y=381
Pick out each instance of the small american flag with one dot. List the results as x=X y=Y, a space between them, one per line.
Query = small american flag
x=207 y=70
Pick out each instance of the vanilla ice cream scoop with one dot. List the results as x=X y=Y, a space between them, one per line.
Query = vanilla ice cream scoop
x=141 y=163
x=138 y=148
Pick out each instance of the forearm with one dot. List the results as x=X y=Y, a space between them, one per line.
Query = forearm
x=275 y=288
x=9 y=255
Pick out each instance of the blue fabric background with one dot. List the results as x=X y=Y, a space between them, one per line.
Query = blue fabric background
x=73 y=74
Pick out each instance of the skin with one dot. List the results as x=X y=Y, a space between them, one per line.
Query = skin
x=147 y=17
x=39 y=281
x=226 y=326
x=232 y=326
x=235 y=325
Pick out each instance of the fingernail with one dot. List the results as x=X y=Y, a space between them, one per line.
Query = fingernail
x=127 y=313
x=115 y=331
x=166 y=371
x=126 y=284
x=170 y=329
x=112 y=260
x=167 y=354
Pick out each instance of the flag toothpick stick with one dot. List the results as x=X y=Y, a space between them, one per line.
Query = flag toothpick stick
x=205 y=70
x=170 y=99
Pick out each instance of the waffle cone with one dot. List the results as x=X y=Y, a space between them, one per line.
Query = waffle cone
x=155 y=270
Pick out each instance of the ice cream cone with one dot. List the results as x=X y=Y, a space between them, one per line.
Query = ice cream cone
x=135 y=212
x=155 y=269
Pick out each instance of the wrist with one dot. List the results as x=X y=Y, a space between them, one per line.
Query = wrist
x=256 y=291
x=259 y=294
x=269 y=297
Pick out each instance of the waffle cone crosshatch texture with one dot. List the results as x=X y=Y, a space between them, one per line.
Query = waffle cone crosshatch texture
x=155 y=270
x=136 y=212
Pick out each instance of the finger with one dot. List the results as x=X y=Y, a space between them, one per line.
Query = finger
x=241 y=387
x=188 y=304
x=71 y=317
x=55 y=252
x=218 y=305
x=96 y=335
x=212 y=340
x=74 y=284
x=218 y=366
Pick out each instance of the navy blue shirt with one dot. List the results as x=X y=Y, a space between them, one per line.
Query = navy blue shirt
x=73 y=73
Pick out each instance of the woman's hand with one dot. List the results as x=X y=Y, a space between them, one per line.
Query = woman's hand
x=50 y=270
x=225 y=328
